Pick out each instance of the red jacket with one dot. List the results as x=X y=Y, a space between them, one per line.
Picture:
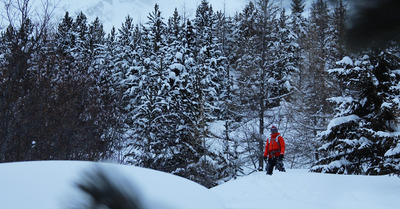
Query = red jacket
x=274 y=147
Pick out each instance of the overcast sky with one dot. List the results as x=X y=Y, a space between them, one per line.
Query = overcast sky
x=114 y=12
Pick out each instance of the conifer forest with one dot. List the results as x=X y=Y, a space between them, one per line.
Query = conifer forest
x=196 y=96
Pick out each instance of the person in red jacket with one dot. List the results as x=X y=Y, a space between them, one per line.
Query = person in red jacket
x=274 y=151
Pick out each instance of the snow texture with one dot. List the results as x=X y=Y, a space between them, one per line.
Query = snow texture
x=338 y=121
x=49 y=185
x=393 y=151
x=298 y=189
x=345 y=61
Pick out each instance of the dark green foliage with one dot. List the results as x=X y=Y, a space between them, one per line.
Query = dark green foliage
x=55 y=105
x=360 y=138
x=297 y=6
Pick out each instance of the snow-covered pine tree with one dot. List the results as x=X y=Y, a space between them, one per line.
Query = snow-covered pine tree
x=128 y=60
x=245 y=50
x=78 y=78
x=285 y=59
x=207 y=71
x=297 y=7
x=363 y=137
x=228 y=164
x=106 y=97
x=185 y=147
x=146 y=96
x=203 y=23
x=155 y=30
x=174 y=28
x=64 y=35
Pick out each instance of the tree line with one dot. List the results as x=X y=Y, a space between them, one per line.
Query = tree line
x=148 y=94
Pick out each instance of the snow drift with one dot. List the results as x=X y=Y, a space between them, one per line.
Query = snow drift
x=299 y=189
x=52 y=185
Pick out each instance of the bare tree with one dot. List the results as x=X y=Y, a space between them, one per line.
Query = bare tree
x=16 y=13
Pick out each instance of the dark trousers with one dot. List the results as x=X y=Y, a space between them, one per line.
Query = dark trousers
x=272 y=162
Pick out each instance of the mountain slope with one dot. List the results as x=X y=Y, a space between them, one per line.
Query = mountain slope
x=299 y=189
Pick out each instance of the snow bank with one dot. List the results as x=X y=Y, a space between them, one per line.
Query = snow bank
x=50 y=185
x=298 y=189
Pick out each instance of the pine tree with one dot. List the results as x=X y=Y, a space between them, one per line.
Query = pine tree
x=228 y=164
x=64 y=35
x=103 y=99
x=297 y=7
x=361 y=138
x=148 y=112
x=76 y=77
x=128 y=62
x=155 y=30
x=207 y=71
x=95 y=34
x=203 y=23
x=246 y=40
x=175 y=27
x=111 y=96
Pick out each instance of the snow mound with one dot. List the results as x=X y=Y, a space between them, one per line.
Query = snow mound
x=52 y=185
x=339 y=121
x=300 y=189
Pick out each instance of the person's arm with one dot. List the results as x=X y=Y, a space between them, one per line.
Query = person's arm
x=266 y=150
x=282 y=143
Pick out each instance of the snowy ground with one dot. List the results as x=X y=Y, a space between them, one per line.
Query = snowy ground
x=50 y=185
x=299 y=189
